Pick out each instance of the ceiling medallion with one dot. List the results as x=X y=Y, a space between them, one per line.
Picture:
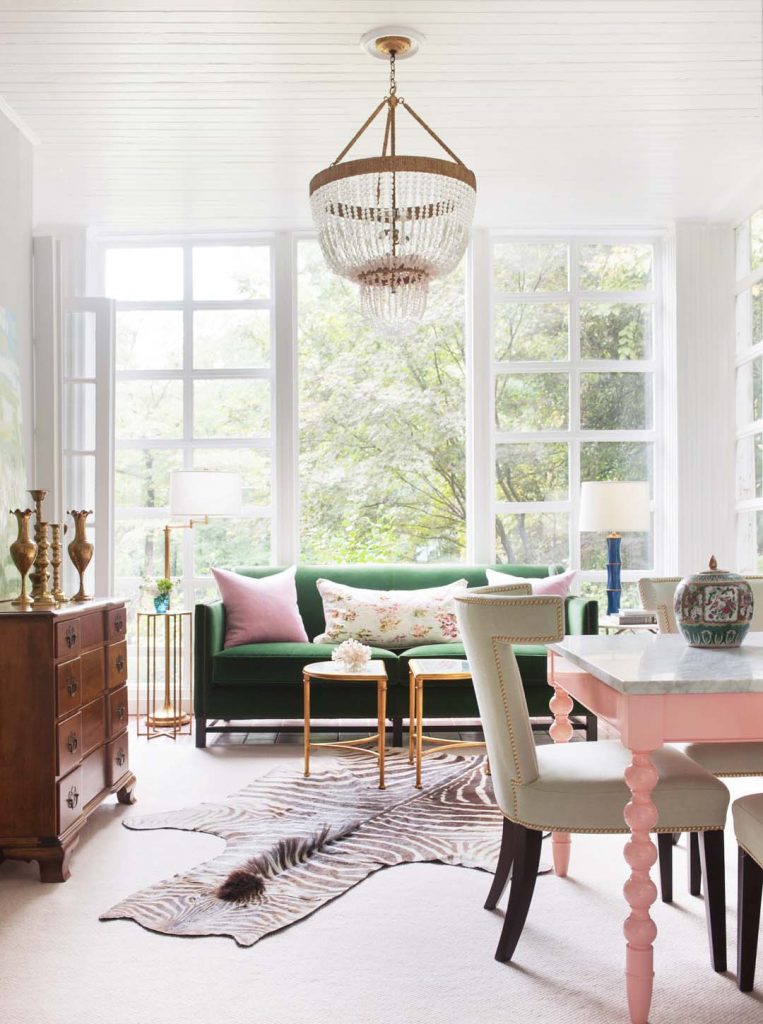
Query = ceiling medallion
x=393 y=223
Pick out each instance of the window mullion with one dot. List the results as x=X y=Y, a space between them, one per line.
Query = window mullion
x=187 y=538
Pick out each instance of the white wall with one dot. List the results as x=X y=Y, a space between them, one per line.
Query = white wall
x=16 y=256
x=699 y=424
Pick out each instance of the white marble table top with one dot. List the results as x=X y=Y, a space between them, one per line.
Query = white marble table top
x=644 y=663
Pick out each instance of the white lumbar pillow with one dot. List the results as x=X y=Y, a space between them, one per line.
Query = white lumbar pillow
x=389 y=618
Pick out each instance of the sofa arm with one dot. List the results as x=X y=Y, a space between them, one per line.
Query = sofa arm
x=209 y=640
x=581 y=616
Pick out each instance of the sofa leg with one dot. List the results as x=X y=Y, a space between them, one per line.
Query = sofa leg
x=201 y=731
x=591 y=728
x=397 y=732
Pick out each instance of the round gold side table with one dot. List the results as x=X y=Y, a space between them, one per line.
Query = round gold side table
x=164 y=714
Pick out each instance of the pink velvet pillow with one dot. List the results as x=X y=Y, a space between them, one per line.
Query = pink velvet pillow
x=543 y=586
x=260 y=611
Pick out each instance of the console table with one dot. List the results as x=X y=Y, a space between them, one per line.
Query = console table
x=63 y=726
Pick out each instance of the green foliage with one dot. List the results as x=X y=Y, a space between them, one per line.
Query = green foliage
x=164 y=586
x=382 y=426
x=615 y=330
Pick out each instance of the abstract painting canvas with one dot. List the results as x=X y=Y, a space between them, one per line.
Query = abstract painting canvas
x=12 y=475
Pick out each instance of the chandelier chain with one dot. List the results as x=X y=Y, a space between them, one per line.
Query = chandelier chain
x=392 y=82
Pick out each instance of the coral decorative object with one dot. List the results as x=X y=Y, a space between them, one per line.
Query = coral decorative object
x=23 y=552
x=714 y=608
x=80 y=551
x=352 y=655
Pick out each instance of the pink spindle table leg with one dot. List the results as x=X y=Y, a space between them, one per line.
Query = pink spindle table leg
x=561 y=732
x=640 y=891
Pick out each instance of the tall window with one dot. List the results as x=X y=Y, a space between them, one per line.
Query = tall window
x=193 y=391
x=382 y=468
x=574 y=362
x=381 y=422
x=749 y=316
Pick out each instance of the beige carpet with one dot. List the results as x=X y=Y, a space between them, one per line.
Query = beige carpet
x=412 y=944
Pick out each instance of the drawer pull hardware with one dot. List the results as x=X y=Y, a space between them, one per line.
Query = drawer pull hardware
x=72 y=686
x=120 y=663
x=71 y=637
x=72 y=743
x=72 y=798
x=121 y=711
x=119 y=625
x=121 y=758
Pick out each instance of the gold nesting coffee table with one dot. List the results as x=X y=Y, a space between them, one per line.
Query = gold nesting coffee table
x=421 y=670
x=373 y=672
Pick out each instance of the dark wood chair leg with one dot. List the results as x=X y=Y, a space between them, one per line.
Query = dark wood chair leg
x=750 y=889
x=695 y=865
x=201 y=731
x=591 y=728
x=526 y=860
x=397 y=732
x=503 y=868
x=665 y=847
x=713 y=870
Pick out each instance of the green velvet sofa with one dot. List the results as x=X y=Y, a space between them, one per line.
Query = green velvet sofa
x=264 y=681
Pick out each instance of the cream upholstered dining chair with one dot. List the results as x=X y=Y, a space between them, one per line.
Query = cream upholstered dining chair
x=656 y=594
x=568 y=787
x=748 y=825
x=722 y=759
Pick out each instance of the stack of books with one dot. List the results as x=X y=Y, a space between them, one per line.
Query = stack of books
x=636 y=617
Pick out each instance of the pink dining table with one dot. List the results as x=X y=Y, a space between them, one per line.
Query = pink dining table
x=653 y=690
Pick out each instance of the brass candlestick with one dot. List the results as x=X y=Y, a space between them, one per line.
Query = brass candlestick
x=56 y=560
x=41 y=596
x=80 y=551
x=23 y=551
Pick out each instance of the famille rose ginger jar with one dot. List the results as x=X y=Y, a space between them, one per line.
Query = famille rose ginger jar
x=713 y=608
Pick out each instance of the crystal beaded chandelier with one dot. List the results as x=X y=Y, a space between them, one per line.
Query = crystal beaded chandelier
x=393 y=223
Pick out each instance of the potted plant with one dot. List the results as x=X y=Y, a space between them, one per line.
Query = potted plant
x=163 y=591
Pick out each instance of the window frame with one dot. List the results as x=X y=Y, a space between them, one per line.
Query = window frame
x=482 y=298
x=574 y=366
x=187 y=374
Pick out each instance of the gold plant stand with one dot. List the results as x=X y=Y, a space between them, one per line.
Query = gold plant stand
x=163 y=713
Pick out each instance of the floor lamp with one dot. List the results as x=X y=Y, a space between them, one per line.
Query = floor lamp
x=614 y=507
x=195 y=496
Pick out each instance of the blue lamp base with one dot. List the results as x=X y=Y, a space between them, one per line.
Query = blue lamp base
x=613 y=574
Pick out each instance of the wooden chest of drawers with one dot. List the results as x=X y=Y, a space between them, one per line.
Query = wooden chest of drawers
x=63 y=727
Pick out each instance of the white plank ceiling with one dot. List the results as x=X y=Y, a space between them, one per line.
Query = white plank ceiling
x=204 y=114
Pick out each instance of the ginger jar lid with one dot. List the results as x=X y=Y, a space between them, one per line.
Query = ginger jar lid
x=714 y=575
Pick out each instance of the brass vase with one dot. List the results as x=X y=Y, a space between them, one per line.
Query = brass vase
x=23 y=551
x=80 y=551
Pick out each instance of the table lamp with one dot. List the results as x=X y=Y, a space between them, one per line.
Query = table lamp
x=614 y=507
x=194 y=495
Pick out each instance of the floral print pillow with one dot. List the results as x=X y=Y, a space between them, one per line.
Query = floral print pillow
x=389 y=618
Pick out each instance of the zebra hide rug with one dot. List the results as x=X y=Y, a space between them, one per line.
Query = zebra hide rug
x=347 y=827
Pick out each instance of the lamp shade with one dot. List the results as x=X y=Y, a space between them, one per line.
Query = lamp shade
x=198 y=493
x=614 y=506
